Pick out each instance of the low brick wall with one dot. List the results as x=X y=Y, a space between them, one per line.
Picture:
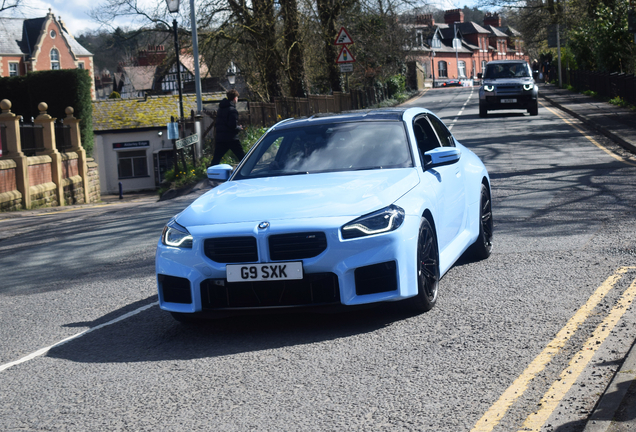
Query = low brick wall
x=73 y=190
x=44 y=195
x=10 y=197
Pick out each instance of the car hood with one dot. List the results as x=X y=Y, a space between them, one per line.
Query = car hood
x=300 y=196
x=517 y=81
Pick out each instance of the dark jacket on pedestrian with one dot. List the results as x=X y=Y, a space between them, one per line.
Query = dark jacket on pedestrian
x=227 y=127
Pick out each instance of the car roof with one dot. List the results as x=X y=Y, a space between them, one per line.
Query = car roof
x=380 y=114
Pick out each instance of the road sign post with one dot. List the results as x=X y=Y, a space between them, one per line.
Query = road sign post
x=345 y=59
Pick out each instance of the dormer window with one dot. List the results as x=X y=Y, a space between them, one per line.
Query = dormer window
x=55 y=59
x=457 y=43
x=436 y=43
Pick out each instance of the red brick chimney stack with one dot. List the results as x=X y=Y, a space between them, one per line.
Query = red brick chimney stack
x=426 y=19
x=492 y=19
x=453 y=15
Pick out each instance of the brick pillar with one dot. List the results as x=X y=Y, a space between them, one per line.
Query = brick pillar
x=50 y=149
x=76 y=146
x=12 y=149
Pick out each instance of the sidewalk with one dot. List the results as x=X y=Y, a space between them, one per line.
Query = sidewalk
x=616 y=409
x=616 y=123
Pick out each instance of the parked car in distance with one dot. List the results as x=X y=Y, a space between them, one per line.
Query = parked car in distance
x=329 y=211
x=508 y=84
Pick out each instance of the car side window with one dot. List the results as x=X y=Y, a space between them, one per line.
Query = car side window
x=424 y=135
x=443 y=133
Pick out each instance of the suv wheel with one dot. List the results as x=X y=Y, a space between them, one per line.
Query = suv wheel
x=533 y=110
x=483 y=112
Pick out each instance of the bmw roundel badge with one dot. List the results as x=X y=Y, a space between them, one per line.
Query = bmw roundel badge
x=263 y=225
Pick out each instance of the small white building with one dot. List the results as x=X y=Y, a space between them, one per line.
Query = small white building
x=131 y=143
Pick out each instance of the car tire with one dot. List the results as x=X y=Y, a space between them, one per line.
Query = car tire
x=185 y=318
x=427 y=268
x=534 y=109
x=483 y=112
x=482 y=247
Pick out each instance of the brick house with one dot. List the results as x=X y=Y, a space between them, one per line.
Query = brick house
x=37 y=44
x=457 y=49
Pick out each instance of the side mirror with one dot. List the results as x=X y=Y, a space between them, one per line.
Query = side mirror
x=441 y=156
x=480 y=75
x=220 y=172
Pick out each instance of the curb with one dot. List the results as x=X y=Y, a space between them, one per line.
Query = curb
x=594 y=125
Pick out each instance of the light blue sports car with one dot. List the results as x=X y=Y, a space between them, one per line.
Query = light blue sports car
x=331 y=210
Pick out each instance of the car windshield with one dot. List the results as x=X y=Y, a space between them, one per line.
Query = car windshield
x=507 y=70
x=328 y=148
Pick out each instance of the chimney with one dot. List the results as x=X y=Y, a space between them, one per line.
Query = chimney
x=453 y=15
x=426 y=19
x=492 y=19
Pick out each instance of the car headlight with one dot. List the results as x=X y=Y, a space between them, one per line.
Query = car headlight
x=381 y=221
x=528 y=87
x=176 y=236
x=489 y=88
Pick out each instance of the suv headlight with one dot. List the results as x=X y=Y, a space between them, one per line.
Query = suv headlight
x=176 y=236
x=528 y=87
x=489 y=88
x=381 y=221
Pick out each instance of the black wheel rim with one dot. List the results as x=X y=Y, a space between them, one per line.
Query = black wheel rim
x=486 y=218
x=428 y=264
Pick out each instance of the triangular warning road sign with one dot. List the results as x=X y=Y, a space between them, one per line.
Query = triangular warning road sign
x=345 y=56
x=343 y=38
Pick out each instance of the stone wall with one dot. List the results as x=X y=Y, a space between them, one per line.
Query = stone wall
x=50 y=178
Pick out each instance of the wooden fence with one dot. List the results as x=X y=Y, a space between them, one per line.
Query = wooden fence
x=266 y=114
x=606 y=85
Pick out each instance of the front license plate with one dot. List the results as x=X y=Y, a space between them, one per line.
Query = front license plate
x=509 y=101
x=264 y=272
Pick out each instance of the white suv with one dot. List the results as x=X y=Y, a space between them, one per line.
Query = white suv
x=508 y=84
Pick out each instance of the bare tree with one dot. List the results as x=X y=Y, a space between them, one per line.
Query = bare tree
x=10 y=4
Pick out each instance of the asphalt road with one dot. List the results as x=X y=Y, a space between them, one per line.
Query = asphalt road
x=525 y=340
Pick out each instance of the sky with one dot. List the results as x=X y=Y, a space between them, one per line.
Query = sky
x=75 y=16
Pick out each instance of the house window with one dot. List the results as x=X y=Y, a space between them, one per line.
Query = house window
x=442 y=69
x=132 y=164
x=461 y=66
x=436 y=43
x=80 y=65
x=419 y=40
x=457 y=43
x=483 y=65
x=13 y=69
x=55 y=59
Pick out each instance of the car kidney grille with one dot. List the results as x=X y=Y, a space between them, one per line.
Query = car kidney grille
x=231 y=249
x=297 y=246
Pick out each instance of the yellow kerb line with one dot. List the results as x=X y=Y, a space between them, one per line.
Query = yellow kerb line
x=496 y=412
x=568 y=377
x=592 y=140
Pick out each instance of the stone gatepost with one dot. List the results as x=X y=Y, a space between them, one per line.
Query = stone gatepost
x=50 y=149
x=76 y=146
x=12 y=149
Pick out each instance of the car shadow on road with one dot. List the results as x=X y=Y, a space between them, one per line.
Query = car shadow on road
x=153 y=335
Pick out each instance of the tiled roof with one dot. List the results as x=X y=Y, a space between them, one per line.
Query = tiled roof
x=155 y=111
x=19 y=36
x=141 y=77
x=12 y=39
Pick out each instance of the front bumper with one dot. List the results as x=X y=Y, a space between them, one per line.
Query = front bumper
x=347 y=272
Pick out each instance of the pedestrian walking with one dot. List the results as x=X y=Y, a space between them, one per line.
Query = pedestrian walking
x=227 y=129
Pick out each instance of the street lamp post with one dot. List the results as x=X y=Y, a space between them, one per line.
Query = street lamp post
x=173 y=7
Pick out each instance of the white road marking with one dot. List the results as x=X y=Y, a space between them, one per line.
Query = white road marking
x=461 y=111
x=45 y=350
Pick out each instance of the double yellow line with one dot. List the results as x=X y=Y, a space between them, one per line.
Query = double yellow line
x=568 y=377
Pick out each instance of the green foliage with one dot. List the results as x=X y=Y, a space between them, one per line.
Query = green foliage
x=601 y=42
x=58 y=89
x=114 y=95
x=191 y=174
x=396 y=84
x=590 y=93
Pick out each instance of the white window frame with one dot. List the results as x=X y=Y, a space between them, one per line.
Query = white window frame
x=444 y=69
x=17 y=69
x=461 y=69
x=132 y=155
x=55 y=59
